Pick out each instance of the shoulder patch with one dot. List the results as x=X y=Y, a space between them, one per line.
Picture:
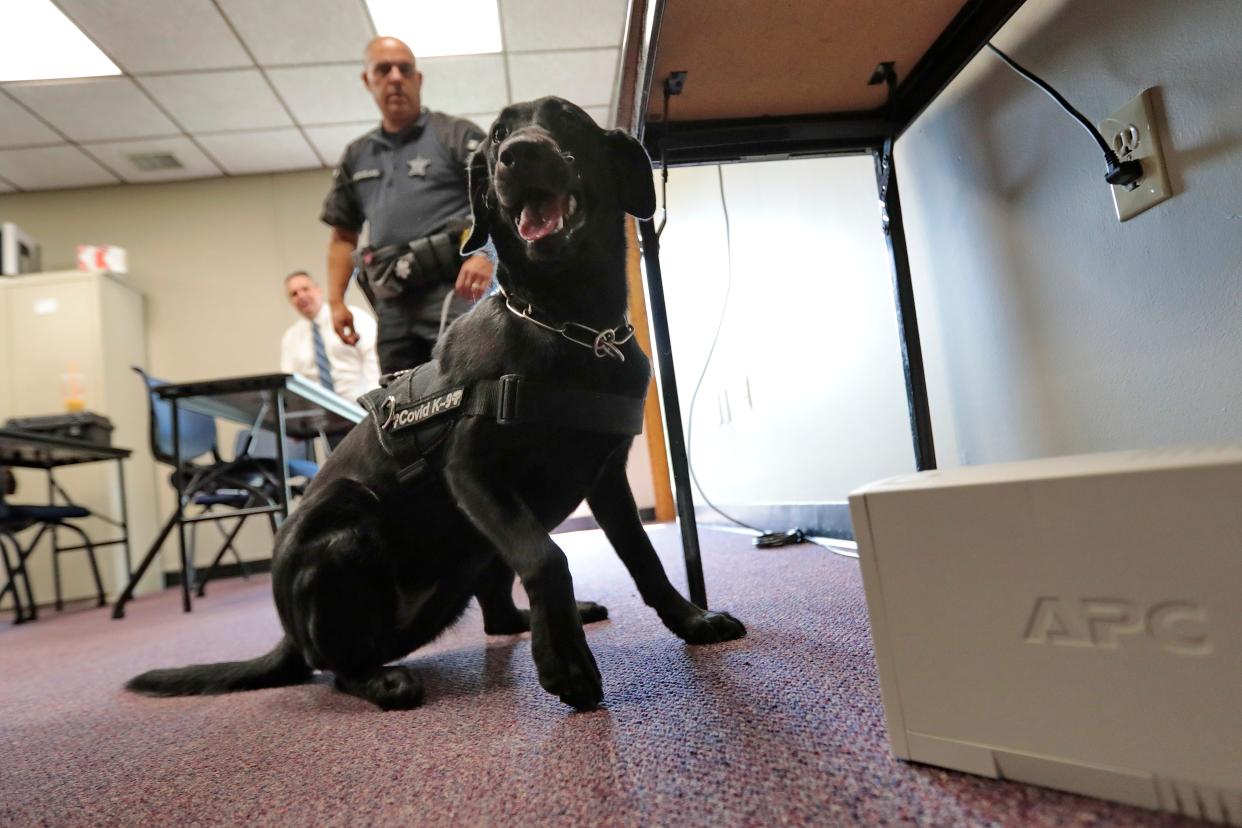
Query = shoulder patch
x=363 y=175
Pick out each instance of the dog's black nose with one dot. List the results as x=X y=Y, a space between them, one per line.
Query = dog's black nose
x=522 y=151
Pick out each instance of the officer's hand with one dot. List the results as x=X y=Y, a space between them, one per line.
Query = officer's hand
x=343 y=322
x=474 y=278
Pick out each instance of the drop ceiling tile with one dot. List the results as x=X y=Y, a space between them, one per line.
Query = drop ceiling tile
x=218 y=101
x=18 y=128
x=562 y=24
x=272 y=150
x=159 y=35
x=325 y=94
x=472 y=83
x=331 y=141
x=301 y=31
x=50 y=168
x=95 y=110
x=117 y=155
x=586 y=78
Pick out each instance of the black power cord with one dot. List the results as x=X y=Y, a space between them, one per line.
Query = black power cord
x=1119 y=173
x=673 y=85
x=764 y=539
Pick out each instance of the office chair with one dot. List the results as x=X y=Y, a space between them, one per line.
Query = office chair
x=240 y=483
x=15 y=518
x=260 y=446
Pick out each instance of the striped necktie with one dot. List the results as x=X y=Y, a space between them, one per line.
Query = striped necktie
x=321 y=358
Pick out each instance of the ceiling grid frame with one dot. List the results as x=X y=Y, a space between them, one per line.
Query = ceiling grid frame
x=232 y=52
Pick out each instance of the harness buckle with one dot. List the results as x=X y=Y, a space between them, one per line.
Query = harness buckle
x=507 y=404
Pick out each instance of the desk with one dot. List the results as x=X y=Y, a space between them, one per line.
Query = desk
x=284 y=403
x=30 y=450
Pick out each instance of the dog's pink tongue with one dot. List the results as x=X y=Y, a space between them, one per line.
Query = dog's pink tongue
x=540 y=219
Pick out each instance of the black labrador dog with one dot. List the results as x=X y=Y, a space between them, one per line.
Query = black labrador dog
x=368 y=570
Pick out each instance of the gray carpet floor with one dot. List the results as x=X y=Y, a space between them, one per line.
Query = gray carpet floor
x=784 y=727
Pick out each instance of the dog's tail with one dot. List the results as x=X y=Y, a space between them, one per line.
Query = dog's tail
x=283 y=666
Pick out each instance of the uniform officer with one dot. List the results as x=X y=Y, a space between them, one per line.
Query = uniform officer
x=407 y=180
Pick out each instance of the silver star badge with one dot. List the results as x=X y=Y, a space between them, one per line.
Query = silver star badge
x=418 y=166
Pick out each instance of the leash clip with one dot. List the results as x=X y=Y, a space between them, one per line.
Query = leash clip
x=389 y=405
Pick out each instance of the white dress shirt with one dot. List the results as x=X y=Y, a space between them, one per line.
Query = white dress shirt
x=355 y=368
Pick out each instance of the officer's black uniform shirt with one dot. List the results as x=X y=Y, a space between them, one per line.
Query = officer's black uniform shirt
x=406 y=186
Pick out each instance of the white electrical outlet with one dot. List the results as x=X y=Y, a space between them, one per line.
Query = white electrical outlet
x=1131 y=132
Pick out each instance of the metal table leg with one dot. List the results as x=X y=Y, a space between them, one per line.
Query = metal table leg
x=907 y=320
x=120 y=479
x=672 y=415
x=285 y=494
x=51 y=501
x=186 y=566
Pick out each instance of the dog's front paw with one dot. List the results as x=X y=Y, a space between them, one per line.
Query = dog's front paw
x=590 y=612
x=571 y=675
x=710 y=628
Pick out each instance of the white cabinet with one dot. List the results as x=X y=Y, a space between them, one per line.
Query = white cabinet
x=93 y=324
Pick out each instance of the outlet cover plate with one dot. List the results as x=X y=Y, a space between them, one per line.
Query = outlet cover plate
x=1131 y=132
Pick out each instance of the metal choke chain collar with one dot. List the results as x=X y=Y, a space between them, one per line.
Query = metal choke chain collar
x=605 y=343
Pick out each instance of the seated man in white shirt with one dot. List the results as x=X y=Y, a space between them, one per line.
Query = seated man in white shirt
x=312 y=349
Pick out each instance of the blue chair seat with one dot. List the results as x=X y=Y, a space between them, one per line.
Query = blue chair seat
x=223 y=497
x=20 y=513
x=302 y=468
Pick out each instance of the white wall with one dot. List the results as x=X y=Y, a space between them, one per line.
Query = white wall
x=810 y=323
x=1048 y=326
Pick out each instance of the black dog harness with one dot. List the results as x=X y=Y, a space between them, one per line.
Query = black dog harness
x=415 y=410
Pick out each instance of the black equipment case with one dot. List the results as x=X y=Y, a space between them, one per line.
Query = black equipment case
x=85 y=426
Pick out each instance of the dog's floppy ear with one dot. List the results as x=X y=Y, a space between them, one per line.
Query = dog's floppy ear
x=631 y=170
x=477 y=236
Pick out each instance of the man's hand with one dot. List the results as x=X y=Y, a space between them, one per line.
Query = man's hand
x=343 y=322
x=474 y=278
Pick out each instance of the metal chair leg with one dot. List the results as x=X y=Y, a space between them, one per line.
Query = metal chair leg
x=90 y=555
x=228 y=544
x=60 y=604
x=22 y=555
x=13 y=577
x=127 y=594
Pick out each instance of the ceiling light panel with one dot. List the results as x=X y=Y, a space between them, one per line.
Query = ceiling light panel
x=433 y=28
x=37 y=42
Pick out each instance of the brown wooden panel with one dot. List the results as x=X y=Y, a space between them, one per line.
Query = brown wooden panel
x=755 y=58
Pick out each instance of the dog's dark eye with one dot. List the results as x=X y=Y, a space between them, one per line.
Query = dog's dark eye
x=499 y=133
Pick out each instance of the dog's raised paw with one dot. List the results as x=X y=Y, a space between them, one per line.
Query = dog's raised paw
x=711 y=628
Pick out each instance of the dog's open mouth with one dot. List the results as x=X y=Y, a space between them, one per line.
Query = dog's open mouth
x=542 y=215
x=545 y=215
